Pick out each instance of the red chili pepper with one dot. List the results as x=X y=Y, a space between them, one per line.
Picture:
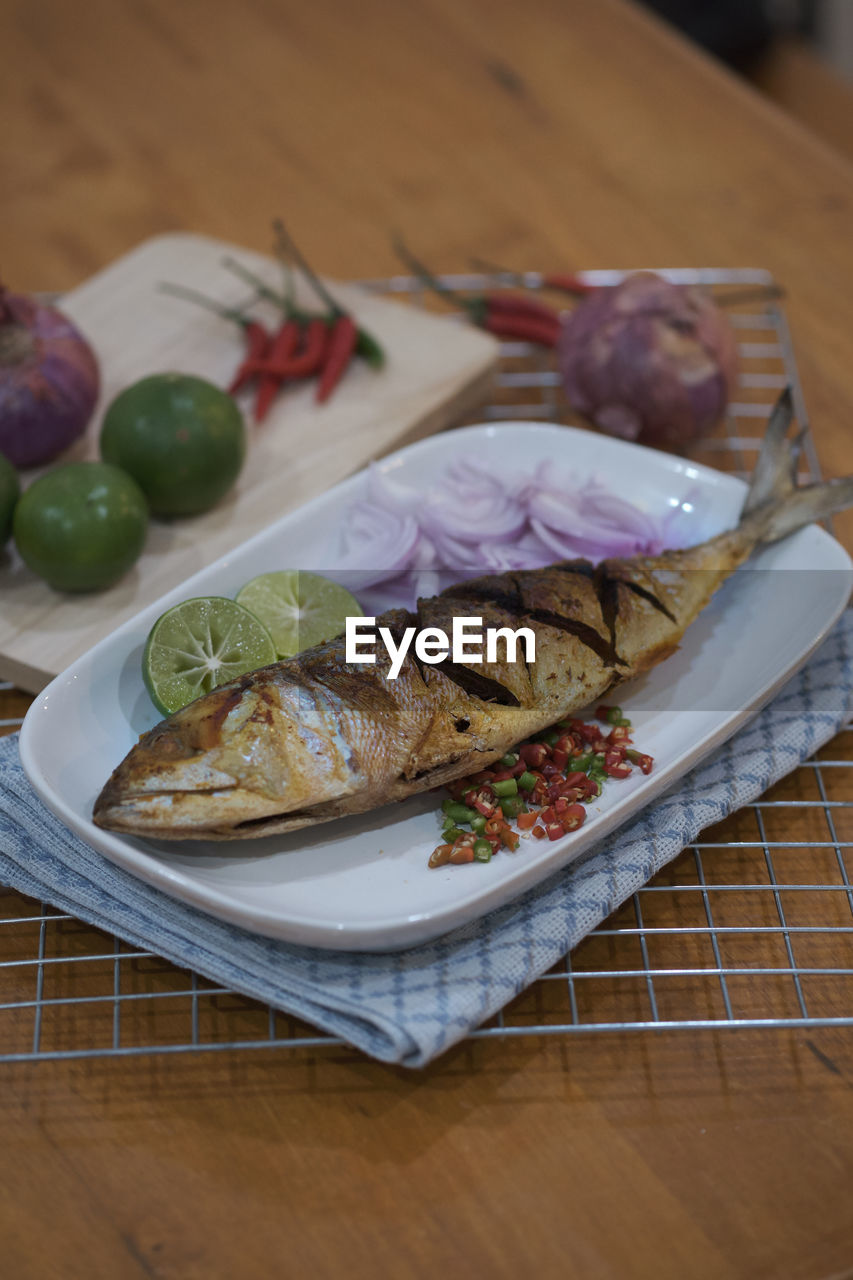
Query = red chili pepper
x=639 y=758
x=516 y=304
x=573 y=817
x=305 y=361
x=534 y=754
x=526 y=328
x=441 y=855
x=365 y=345
x=258 y=339
x=506 y=316
x=339 y=352
x=556 y=804
x=562 y=281
x=568 y=282
x=510 y=838
x=258 y=342
x=576 y=779
x=283 y=345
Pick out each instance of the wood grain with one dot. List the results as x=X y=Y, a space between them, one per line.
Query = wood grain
x=555 y=134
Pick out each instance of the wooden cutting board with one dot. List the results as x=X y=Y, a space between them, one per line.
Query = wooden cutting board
x=436 y=371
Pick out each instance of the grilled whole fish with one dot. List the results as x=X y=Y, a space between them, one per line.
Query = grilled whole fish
x=314 y=738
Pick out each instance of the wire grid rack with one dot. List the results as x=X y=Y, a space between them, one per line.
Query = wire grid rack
x=750 y=927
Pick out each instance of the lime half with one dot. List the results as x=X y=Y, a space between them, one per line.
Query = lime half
x=198 y=645
x=299 y=609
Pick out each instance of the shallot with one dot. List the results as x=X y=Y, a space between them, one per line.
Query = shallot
x=649 y=360
x=48 y=380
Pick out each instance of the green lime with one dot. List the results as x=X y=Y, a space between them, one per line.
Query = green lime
x=180 y=437
x=199 y=644
x=9 y=492
x=299 y=609
x=81 y=526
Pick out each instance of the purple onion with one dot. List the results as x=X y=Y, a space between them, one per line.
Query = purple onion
x=400 y=543
x=649 y=360
x=48 y=381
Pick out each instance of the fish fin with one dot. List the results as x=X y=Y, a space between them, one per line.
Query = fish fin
x=775 y=506
x=773 y=477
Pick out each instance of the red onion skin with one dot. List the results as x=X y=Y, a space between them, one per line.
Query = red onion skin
x=649 y=360
x=49 y=381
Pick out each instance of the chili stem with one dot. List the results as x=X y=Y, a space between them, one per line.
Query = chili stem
x=417 y=268
x=193 y=295
x=263 y=290
x=286 y=244
x=565 y=282
x=494 y=269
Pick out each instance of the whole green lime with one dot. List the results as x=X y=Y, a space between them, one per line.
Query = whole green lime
x=9 y=492
x=180 y=437
x=81 y=526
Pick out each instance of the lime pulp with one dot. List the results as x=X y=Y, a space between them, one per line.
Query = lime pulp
x=200 y=644
x=299 y=609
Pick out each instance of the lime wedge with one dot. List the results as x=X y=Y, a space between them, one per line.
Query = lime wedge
x=199 y=644
x=299 y=609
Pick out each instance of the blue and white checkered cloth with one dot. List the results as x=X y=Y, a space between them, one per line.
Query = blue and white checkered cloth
x=410 y=1006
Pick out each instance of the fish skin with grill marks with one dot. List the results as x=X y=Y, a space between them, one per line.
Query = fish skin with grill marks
x=315 y=738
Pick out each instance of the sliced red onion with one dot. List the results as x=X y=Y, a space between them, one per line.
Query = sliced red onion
x=378 y=544
x=477 y=520
x=385 y=492
x=472 y=521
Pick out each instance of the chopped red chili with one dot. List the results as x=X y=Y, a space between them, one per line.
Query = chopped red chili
x=550 y=801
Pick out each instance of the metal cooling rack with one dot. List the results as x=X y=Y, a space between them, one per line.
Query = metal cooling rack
x=751 y=926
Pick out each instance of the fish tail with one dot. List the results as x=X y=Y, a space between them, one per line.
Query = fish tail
x=775 y=506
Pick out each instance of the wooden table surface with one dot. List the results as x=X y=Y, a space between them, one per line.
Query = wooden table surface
x=556 y=134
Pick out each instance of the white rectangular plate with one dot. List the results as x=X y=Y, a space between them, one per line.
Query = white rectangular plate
x=363 y=883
